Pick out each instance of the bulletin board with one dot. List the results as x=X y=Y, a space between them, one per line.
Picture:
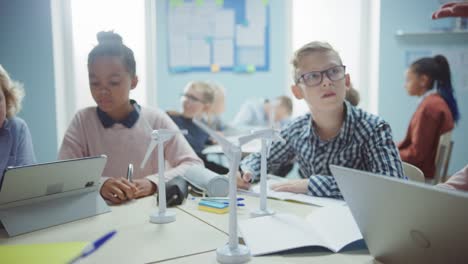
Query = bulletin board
x=218 y=36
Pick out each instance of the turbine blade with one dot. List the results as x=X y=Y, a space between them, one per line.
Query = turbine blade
x=150 y=149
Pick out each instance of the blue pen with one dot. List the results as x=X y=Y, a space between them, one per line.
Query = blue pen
x=221 y=199
x=238 y=204
x=90 y=248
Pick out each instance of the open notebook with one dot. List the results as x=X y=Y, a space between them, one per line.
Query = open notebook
x=331 y=227
x=302 y=198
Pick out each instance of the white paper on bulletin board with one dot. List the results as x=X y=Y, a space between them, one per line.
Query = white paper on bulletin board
x=218 y=35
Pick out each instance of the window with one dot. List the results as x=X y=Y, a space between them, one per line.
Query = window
x=125 y=17
x=75 y=25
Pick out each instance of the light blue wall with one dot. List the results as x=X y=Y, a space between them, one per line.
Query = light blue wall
x=26 y=53
x=394 y=104
x=238 y=86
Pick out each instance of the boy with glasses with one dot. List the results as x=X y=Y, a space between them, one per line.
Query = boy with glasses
x=334 y=132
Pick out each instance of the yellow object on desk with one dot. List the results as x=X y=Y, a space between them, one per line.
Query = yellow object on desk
x=41 y=253
x=213 y=207
x=213 y=210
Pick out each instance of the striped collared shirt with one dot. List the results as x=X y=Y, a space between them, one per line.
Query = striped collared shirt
x=365 y=143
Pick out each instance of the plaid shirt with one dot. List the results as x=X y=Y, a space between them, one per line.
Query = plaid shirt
x=365 y=143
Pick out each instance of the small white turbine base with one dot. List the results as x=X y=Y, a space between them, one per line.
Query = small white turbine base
x=226 y=255
x=167 y=217
x=259 y=212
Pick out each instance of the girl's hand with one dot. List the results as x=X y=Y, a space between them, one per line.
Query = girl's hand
x=144 y=187
x=118 y=190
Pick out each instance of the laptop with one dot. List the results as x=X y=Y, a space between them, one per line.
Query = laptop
x=45 y=179
x=43 y=195
x=406 y=222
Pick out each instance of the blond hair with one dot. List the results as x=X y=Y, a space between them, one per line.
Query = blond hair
x=285 y=102
x=308 y=48
x=205 y=89
x=13 y=92
x=352 y=95
x=218 y=89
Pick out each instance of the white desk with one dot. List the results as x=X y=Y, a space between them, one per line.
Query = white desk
x=137 y=240
x=220 y=221
x=188 y=240
x=354 y=257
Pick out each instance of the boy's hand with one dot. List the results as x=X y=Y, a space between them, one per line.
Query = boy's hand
x=294 y=186
x=118 y=190
x=144 y=187
x=243 y=180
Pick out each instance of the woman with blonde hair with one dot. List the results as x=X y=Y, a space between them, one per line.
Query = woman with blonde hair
x=15 y=140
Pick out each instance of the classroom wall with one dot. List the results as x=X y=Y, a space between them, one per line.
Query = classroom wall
x=26 y=53
x=395 y=105
x=238 y=86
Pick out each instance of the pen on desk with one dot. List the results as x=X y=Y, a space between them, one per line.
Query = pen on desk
x=221 y=199
x=238 y=204
x=90 y=248
x=130 y=172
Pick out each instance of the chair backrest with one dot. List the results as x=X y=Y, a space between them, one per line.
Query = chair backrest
x=444 y=150
x=412 y=172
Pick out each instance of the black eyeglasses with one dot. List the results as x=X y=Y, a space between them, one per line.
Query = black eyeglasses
x=315 y=78
x=192 y=98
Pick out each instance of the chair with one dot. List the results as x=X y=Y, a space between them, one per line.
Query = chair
x=444 y=151
x=412 y=172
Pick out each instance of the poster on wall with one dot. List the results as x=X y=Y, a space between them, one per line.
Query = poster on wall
x=218 y=35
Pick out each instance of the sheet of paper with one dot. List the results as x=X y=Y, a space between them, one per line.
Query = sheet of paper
x=289 y=232
x=255 y=13
x=199 y=53
x=303 y=198
x=223 y=52
x=179 y=52
x=250 y=36
x=251 y=56
x=224 y=24
x=330 y=227
x=336 y=225
x=41 y=253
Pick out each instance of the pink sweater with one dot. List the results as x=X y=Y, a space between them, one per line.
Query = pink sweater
x=86 y=136
x=458 y=181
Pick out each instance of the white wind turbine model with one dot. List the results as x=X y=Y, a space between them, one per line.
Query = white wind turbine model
x=268 y=135
x=231 y=252
x=158 y=137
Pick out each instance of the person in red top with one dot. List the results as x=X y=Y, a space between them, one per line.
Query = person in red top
x=458 y=181
x=436 y=114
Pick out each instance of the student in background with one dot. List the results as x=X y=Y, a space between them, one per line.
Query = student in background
x=257 y=112
x=460 y=179
x=437 y=112
x=283 y=108
x=15 y=140
x=197 y=99
x=120 y=128
x=334 y=132
x=352 y=96
x=213 y=115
